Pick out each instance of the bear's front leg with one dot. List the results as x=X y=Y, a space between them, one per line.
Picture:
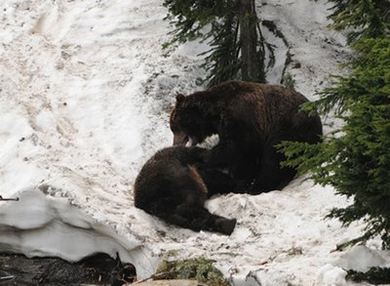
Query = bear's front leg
x=198 y=218
x=222 y=154
x=217 y=182
x=271 y=175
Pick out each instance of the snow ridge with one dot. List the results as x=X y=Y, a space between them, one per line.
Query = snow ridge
x=85 y=95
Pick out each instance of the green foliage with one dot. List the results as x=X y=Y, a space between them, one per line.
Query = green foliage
x=370 y=71
x=222 y=59
x=288 y=81
x=200 y=269
x=365 y=18
x=376 y=275
x=217 y=23
x=355 y=159
x=190 y=17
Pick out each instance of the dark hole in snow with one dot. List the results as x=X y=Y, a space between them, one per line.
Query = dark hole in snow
x=98 y=269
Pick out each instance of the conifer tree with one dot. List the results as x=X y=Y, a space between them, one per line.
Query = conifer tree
x=355 y=159
x=232 y=30
x=365 y=18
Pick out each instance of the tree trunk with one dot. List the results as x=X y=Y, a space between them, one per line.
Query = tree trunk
x=252 y=66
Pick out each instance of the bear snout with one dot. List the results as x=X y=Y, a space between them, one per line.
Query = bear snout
x=180 y=139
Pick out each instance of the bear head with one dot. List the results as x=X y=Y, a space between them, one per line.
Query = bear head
x=189 y=122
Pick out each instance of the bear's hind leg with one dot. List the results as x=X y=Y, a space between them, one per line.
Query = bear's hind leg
x=161 y=207
x=217 y=182
x=198 y=218
x=272 y=176
x=190 y=214
x=175 y=214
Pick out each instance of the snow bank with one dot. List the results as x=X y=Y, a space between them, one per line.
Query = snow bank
x=85 y=95
x=38 y=225
x=332 y=276
x=362 y=258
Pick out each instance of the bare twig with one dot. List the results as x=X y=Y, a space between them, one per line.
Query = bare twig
x=9 y=277
x=9 y=199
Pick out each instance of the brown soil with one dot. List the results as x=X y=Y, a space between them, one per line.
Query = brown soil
x=99 y=269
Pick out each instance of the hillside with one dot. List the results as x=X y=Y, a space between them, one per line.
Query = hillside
x=85 y=95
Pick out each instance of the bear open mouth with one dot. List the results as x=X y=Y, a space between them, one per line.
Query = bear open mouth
x=191 y=142
x=182 y=139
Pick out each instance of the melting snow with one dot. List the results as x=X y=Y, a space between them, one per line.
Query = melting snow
x=85 y=94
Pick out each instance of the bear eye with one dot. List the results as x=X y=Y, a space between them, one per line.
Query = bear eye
x=174 y=125
x=174 y=128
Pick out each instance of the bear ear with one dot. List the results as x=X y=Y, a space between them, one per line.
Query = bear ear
x=179 y=98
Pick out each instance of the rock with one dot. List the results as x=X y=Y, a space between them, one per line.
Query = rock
x=96 y=269
x=179 y=282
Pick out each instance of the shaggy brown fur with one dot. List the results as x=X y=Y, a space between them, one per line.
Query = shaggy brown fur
x=174 y=185
x=250 y=120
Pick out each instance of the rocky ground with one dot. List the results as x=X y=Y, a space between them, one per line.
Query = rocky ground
x=98 y=269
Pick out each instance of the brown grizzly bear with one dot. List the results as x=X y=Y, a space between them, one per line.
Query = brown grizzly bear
x=250 y=119
x=174 y=185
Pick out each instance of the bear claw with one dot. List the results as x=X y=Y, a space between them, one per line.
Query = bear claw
x=226 y=226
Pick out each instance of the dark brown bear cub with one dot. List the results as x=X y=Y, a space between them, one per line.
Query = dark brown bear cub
x=250 y=120
x=174 y=185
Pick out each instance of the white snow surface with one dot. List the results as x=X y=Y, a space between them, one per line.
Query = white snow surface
x=85 y=95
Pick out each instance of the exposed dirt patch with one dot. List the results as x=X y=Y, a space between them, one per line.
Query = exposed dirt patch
x=98 y=269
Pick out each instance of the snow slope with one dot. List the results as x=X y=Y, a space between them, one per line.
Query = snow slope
x=85 y=94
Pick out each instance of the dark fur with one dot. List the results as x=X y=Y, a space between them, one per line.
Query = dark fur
x=174 y=185
x=250 y=120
